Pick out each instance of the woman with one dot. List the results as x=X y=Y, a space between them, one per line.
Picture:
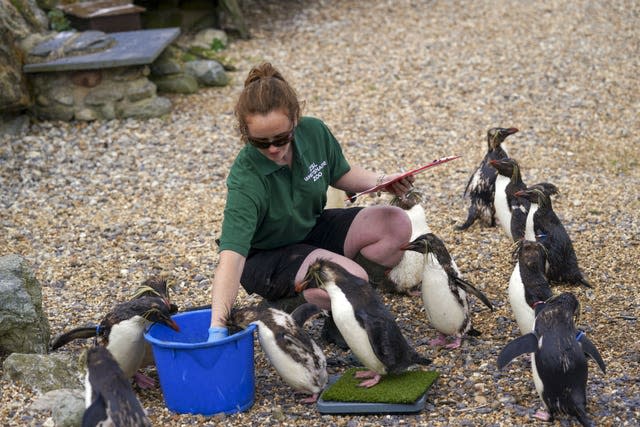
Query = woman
x=274 y=224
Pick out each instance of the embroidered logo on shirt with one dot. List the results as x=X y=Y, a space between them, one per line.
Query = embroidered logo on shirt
x=315 y=171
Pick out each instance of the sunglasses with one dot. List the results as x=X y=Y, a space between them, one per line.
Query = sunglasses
x=276 y=141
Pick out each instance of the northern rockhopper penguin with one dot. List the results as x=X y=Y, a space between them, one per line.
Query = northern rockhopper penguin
x=482 y=183
x=444 y=291
x=122 y=331
x=511 y=211
x=559 y=365
x=109 y=398
x=406 y=277
x=543 y=225
x=155 y=286
x=292 y=352
x=366 y=324
x=528 y=284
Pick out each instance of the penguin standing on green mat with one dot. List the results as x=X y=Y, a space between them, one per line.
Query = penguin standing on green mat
x=366 y=324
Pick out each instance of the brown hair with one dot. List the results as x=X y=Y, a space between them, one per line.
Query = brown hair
x=265 y=90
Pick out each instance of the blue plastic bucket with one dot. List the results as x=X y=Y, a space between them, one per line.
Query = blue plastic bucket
x=197 y=377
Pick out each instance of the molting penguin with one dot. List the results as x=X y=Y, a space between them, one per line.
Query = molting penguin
x=292 y=352
x=109 y=398
x=407 y=275
x=559 y=364
x=444 y=292
x=366 y=324
x=528 y=285
x=122 y=329
x=482 y=183
x=543 y=225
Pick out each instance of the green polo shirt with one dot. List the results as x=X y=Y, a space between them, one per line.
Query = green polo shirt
x=269 y=205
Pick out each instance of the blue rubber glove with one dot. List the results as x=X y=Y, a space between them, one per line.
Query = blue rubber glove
x=216 y=333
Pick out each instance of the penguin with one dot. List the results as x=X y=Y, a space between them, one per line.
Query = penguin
x=155 y=286
x=528 y=284
x=367 y=326
x=122 y=330
x=109 y=398
x=511 y=211
x=559 y=365
x=482 y=183
x=444 y=292
x=405 y=278
x=543 y=225
x=293 y=353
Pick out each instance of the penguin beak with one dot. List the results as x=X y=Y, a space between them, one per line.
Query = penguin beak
x=518 y=193
x=172 y=324
x=299 y=287
x=510 y=131
x=411 y=246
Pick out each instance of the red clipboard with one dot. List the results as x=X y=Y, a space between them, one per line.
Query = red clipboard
x=404 y=175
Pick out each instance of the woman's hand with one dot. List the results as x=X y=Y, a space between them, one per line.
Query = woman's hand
x=401 y=187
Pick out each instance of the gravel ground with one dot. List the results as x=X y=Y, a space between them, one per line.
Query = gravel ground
x=98 y=207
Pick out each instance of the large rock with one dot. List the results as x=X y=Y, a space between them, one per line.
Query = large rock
x=43 y=372
x=18 y=19
x=66 y=406
x=23 y=326
x=208 y=73
x=14 y=93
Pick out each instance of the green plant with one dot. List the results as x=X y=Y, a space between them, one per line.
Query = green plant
x=57 y=20
x=217 y=45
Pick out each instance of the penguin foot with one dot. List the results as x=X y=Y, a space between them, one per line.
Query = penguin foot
x=415 y=293
x=441 y=340
x=373 y=378
x=542 y=415
x=144 y=381
x=311 y=399
x=455 y=344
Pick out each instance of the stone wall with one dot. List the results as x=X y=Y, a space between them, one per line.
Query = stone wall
x=97 y=94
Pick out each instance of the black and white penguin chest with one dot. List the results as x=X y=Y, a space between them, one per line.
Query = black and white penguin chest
x=502 y=205
x=446 y=304
x=292 y=352
x=352 y=330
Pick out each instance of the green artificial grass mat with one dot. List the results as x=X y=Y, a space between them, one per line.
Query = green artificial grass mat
x=404 y=388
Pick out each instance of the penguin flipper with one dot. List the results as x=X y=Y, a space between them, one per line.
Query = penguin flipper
x=95 y=413
x=304 y=312
x=590 y=350
x=468 y=287
x=294 y=341
x=525 y=344
x=74 y=334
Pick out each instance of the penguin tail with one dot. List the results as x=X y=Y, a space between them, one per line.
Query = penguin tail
x=583 y=418
x=420 y=360
x=474 y=332
x=74 y=334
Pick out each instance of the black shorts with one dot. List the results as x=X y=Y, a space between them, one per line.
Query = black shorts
x=271 y=273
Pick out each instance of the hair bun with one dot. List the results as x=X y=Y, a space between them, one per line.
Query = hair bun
x=262 y=71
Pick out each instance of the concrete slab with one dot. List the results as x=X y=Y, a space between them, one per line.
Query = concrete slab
x=129 y=48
